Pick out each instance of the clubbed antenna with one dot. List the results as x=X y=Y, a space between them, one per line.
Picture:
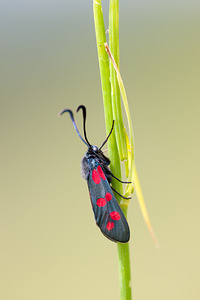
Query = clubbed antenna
x=108 y=135
x=84 y=121
x=74 y=123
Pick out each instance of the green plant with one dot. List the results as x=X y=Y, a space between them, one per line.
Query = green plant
x=120 y=144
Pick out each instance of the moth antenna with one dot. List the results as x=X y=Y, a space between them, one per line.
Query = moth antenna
x=84 y=121
x=74 y=123
x=108 y=135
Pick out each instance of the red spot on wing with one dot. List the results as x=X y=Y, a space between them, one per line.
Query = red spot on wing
x=101 y=202
x=108 y=196
x=115 y=215
x=96 y=177
x=110 y=226
x=101 y=173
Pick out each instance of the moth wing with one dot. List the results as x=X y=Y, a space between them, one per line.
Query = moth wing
x=108 y=214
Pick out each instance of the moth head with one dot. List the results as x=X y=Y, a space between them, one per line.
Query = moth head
x=95 y=148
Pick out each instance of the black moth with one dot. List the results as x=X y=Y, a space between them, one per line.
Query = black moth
x=107 y=212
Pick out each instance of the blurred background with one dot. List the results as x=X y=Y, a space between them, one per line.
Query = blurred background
x=50 y=247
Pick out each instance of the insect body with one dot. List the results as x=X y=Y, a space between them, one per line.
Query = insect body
x=95 y=169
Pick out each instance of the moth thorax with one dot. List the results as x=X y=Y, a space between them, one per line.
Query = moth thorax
x=85 y=168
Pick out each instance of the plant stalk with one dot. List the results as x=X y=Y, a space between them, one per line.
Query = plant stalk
x=112 y=108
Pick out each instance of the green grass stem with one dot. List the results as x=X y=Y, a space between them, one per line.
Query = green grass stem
x=115 y=92
x=112 y=108
x=104 y=67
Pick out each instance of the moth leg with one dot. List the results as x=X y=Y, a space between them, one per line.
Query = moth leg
x=120 y=194
x=109 y=174
x=119 y=179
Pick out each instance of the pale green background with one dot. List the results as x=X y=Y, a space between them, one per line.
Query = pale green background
x=50 y=247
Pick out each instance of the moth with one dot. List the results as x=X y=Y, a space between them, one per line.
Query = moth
x=95 y=170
